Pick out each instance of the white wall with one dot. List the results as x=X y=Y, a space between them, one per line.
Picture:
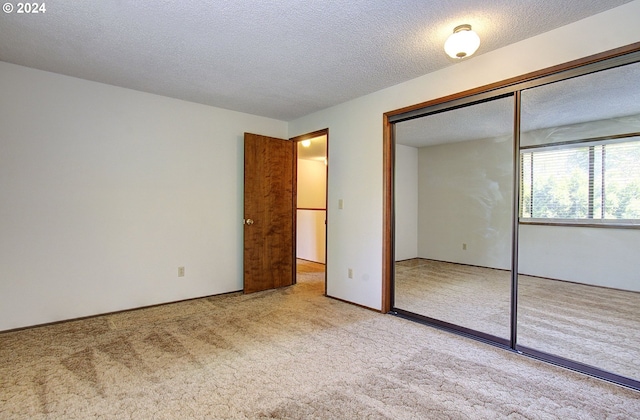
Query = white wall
x=310 y=224
x=406 y=202
x=466 y=197
x=599 y=256
x=106 y=191
x=355 y=176
x=310 y=235
x=355 y=173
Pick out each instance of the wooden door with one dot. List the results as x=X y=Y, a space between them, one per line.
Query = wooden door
x=269 y=236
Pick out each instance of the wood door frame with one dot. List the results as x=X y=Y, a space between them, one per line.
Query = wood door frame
x=297 y=139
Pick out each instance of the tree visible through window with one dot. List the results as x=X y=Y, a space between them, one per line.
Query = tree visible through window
x=582 y=182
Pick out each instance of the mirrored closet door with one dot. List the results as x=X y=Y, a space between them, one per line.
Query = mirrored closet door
x=579 y=272
x=516 y=215
x=454 y=206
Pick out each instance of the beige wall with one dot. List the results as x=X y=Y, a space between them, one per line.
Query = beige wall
x=312 y=184
x=310 y=224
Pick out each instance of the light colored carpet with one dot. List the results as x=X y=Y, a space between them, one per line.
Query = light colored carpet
x=289 y=353
x=592 y=325
x=473 y=297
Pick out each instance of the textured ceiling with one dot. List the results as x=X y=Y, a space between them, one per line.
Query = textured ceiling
x=275 y=58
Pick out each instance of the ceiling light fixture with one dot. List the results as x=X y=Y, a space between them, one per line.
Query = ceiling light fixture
x=462 y=43
x=306 y=143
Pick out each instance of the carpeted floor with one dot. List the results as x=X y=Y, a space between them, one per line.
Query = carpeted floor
x=592 y=325
x=473 y=297
x=289 y=353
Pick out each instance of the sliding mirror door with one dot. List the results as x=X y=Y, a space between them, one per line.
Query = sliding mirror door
x=516 y=214
x=454 y=216
x=579 y=236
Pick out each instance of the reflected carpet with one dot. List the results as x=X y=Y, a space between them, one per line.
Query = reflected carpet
x=593 y=325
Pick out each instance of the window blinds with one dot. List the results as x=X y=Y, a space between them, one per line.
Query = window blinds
x=581 y=182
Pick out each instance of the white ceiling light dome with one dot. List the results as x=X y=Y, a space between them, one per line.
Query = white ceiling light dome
x=462 y=43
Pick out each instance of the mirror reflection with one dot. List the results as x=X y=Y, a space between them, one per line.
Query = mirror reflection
x=578 y=219
x=454 y=208
x=579 y=275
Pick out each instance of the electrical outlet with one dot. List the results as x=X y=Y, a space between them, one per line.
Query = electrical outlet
x=180 y=271
x=350 y=273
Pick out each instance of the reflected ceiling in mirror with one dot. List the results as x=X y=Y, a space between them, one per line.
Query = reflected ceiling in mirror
x=592 y=97
x=474 y=122
x=603 y=95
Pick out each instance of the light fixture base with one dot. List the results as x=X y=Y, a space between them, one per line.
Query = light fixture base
x=464 y=27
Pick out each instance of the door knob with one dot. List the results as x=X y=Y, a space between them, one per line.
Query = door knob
x=249 y=222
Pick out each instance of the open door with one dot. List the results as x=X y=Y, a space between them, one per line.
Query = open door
x=269 y=241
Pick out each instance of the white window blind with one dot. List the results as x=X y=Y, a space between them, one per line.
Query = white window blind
x=592 y=182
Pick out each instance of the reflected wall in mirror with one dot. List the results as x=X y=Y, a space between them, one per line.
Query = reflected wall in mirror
x=454 y=209
x=579 y=273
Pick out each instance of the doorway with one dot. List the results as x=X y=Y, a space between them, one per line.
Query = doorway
x=311 y=206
